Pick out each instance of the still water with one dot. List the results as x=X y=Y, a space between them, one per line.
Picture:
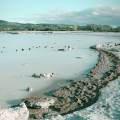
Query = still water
x=41 y=55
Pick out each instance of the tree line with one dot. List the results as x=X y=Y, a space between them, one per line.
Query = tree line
x=12 y=26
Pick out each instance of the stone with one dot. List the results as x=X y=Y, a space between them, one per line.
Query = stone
x=16 y=113
x=37 y=102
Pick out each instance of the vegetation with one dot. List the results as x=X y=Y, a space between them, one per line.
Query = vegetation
x=12 y=26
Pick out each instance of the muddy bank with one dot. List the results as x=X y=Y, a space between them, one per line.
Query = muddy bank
x=80 y=94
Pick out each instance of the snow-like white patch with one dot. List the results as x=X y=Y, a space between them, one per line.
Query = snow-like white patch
x=17 y=113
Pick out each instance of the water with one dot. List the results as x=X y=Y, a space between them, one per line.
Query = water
x=106 y=108
x=16 y=68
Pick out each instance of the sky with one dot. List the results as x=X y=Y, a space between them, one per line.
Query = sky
x=61 y=11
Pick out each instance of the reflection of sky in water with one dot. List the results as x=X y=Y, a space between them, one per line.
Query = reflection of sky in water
x=17 y=67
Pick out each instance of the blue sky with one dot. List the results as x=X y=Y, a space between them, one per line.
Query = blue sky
x=59 y=11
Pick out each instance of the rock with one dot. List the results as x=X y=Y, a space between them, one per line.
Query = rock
x=69 y=48
x=16 y=113
x=34 y=75
x=34 y=116
x=99 y=46
x=61 y=49
x=29 y=89
x=47 y=75
x=93 y=47
x=78 y=57
x=29 y=49
x=22 y=49
x=37 y=102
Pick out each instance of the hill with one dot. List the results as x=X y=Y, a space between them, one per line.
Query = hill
x=13 y=26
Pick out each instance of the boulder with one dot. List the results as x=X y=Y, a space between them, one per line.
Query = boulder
x=17 y=113
x=37 y=102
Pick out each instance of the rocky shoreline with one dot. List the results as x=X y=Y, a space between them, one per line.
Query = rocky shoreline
x=80 y=94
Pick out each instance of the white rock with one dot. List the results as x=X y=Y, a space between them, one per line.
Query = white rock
x=59 y=117
x=46 y=104
x=40 y=103
x=17 y=113
x=99 y=46
x=47 y=75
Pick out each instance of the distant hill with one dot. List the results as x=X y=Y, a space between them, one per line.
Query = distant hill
x=3 y=22
x=13 y=26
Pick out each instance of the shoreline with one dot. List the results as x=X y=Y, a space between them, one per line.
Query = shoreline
x=76 y=94
x=83 y=93
x=50 y=32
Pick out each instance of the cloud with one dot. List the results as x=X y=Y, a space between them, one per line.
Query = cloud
x=99 y=15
